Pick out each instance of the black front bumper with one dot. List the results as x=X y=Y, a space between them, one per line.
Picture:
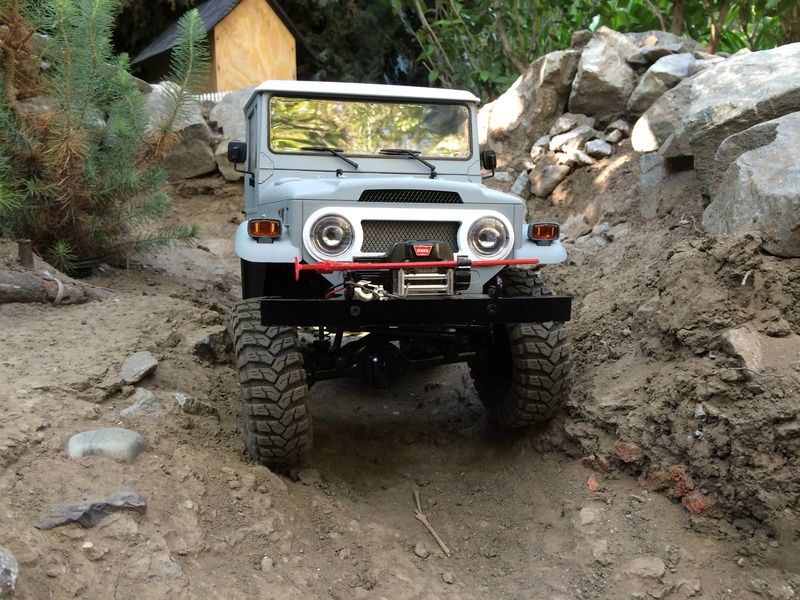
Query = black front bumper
x=480 y=310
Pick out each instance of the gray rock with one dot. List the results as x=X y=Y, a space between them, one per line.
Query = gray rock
x=653 y=172
x=575 y=226
x=646 y=567
x=604 y=80
x=421 y=550
x=650 y=54
x=192 y=406
x=213 y=345
x=138 y=366
x=9 y=570
x=228 y=116
x=145 y=406
x=543 y=141
x=620 y=125
x=702 y=111
x=537 y=153
x=193 y=155
x=545 y=178
x=574 y=139
x=448 y=578
x=665 y=74
x=614 y=137
x=529 y=108
x=159 y=104
x=598 y=149
x=120 y=444
x=520 y=185
x=572 y=157
x=761 y=187
x=655 y=37
x=601 y=553
x=267 y=564
x=703 y=64
x=569 y=121
x=502 y=177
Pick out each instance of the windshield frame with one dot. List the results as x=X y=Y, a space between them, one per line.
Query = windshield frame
x=366 y=99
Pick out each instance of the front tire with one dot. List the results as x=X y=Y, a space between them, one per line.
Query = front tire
x=276 y=420
x=523 y=373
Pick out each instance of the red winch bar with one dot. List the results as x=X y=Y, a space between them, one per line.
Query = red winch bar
x=331 y=266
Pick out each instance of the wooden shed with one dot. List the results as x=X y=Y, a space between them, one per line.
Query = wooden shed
x=250 y=41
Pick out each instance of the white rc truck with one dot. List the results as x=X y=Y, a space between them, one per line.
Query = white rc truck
x=365 y=213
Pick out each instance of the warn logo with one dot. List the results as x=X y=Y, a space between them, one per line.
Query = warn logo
x=423 y=249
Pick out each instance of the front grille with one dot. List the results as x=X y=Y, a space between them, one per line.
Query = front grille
x=380 y=236
x=411 y=196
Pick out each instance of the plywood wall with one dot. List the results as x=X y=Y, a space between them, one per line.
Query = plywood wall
x=252 y=44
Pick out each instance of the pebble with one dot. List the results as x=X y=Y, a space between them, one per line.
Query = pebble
x=9 y=569
x=145 y=405
x=193 y=406
x=646 y=567
x=120 y=444
x=138 y=366
x=267 y=564
x=448 y=578
x=421 y=550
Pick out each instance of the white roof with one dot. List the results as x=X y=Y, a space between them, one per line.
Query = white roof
x=333 y=88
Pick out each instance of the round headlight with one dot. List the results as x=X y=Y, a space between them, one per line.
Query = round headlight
x=488 y=236
x=332 y=235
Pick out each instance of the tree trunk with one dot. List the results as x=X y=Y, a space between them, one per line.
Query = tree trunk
x=677 y=17
x=27 y=286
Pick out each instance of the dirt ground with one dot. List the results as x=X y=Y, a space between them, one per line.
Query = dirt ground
x=557 y=514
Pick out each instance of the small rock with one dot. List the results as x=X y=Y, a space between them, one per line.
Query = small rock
x=192 y=406
x=569 y=121
x=589 y=515
x=614 y=137
x=628 y=452
x=700 y=504
x=543 y=141
x=601 y=553
x=520 y=185
x=9 y=569
x=421 y=550
x=572 y=157
x=138 y=366
x=267 y=564
x=120 y=444
x=593 y=484
x=502 y=177
x=188 y=505
x=309 y=477
x=212 y=345
x=574 y=139
x=448 y=578
x=538 y=153
x=620 y=125
x=689 y=587
x=646 y=567
x=145 y=405
x=598 y=149
x=545 y=179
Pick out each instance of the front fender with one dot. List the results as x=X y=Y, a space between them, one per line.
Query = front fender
x=281 y=250
x=547 y=255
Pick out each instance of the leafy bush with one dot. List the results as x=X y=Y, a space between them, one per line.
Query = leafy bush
x=78 y=165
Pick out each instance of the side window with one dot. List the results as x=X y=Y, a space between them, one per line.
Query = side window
x=252 y=141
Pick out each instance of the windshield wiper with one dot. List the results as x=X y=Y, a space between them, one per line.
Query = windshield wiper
x=411 y=154
x=335 y=151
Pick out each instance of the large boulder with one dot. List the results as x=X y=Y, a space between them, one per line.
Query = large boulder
x=604 y=80
x=761 y=186
x=193 y=155
x=160 y=106
x=530 y=107
x=703 y=110
x=666 y=73
x=228 y=116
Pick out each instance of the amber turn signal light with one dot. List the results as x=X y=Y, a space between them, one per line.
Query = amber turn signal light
x=543 y=232
x=264 y=228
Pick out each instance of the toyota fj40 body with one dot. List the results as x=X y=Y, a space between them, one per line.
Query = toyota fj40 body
x=365 y=212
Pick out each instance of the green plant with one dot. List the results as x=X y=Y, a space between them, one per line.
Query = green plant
x=79 y=171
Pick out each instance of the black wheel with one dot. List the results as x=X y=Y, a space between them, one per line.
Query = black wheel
x=276 y=420
x=523 y=373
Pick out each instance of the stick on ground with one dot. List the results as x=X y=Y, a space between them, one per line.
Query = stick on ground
x=420 y=516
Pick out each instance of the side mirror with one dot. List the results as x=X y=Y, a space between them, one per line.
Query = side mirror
x=237 y=152
x=489 y=159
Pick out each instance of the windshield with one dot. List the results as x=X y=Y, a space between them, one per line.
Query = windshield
x=366 y=127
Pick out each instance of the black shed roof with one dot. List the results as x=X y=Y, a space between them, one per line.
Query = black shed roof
x=212 y=12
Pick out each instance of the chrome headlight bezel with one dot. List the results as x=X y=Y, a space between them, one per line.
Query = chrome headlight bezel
x=331 y=235
x=489 y=237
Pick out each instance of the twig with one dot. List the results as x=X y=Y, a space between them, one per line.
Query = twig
x=420 y=516
x=746 y=277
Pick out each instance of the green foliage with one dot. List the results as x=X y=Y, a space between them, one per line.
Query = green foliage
x=78 y=172
x=484 y=45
